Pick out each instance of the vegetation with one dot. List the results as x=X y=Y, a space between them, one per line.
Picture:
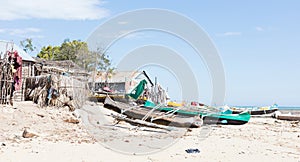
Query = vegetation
x=48 y=52
x=27 y=45
x=78 y=52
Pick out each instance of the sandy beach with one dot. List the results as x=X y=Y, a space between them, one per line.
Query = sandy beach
x=56 y=138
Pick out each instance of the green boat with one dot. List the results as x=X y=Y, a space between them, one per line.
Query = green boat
x=226 y=117
x=210 y=116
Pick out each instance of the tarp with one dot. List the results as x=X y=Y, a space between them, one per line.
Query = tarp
x=138 y=90
x=8 y=46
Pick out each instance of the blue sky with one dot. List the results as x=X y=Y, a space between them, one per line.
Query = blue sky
x=258 y=41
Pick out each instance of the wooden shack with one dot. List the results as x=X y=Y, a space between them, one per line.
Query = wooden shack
x=58 y=83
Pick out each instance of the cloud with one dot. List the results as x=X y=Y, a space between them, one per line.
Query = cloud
x=230 y=34
x=23 y=32
x=258 y=28
x=122 y=22
x=52 y=9
x=34 y=36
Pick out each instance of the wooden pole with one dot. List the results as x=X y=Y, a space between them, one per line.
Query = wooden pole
x=140 y=122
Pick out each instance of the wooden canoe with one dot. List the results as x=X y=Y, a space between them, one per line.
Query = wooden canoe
x=214 y=117
x=288 y=117
x=256 y=112
x=136 y=112
x=208 y=117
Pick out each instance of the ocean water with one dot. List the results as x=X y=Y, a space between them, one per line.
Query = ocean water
x=279 y=107
x=289 y=108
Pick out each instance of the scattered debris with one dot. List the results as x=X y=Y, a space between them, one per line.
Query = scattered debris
x=72 y=120
x=189 y=130
x=40 y=115
x=192 y=151
x=27 y=134
x=277 y=121
x=294 y=125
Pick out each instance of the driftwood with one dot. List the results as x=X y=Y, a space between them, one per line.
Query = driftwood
x=140 y=122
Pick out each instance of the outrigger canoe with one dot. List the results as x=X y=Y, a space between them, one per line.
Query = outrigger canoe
x=289 y=116
x=256 y=110
x=158 y=117
x=226 y=118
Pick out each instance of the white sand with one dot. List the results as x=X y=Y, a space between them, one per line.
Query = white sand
x=262 y=139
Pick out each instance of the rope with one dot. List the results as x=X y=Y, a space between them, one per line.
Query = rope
x=130 y=108
x=167 y=114
x=150 y=112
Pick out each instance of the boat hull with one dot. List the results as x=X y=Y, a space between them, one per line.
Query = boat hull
x=139 y=113
x=213 y=118
x=289 y=117
x=256 y=112
x=223 y=121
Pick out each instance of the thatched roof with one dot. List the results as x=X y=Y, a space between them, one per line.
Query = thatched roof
x=65 y=67
x=61 y=66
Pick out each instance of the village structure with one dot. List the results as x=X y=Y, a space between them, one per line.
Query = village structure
x=26 y=78
x=58 y=82
x=15 y=65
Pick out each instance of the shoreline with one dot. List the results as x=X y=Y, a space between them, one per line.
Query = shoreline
x=262 y=139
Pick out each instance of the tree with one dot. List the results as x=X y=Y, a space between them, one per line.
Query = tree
x=78 y=52
x=103 y=63
x=48 y=52
x=70 y=50
x=27 y=45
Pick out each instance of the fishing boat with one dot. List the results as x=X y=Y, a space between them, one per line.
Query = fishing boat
x=154 y=116
x=256 y=110
x=183 y=114
x=289 y=116
x=208 y=117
